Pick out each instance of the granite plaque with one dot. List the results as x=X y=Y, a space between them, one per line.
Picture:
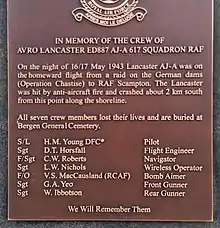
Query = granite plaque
x=110 y=110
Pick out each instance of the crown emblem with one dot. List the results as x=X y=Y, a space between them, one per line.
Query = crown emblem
x=109 y=13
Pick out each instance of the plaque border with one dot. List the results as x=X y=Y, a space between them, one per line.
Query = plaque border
x=114 y=220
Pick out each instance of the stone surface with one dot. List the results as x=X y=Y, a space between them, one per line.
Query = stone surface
x=3 y=146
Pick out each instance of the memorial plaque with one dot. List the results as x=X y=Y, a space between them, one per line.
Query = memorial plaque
x=110 y=110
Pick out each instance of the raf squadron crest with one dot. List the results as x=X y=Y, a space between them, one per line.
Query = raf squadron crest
x=109 y=12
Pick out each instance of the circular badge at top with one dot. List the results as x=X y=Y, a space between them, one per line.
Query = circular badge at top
x=109 y=13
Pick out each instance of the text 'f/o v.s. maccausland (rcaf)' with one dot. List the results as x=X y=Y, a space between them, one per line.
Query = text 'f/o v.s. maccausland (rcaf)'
x=110 y=110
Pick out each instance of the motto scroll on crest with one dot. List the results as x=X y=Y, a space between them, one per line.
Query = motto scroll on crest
x=109 y=13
